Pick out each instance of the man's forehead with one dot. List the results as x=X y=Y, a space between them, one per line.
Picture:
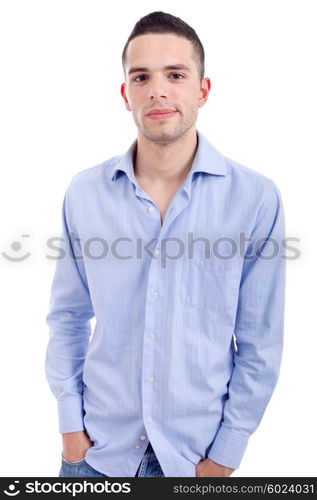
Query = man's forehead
x=157 y=44
x=159 y=56
x=153 y=52
x=159 y=38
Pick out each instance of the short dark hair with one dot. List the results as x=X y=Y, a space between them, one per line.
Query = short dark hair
x=161 y=22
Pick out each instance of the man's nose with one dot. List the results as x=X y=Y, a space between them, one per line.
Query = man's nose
x=157 y=88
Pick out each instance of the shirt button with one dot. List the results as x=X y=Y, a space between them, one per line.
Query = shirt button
x=142 y=438
x=154 y=293
x=149 y=419
x=150 y=378
x=152 y=335
x=150 y=209
x=156 y=251
x=138 y=446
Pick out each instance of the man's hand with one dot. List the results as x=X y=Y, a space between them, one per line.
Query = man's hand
x=209 y=468
x=75 y=445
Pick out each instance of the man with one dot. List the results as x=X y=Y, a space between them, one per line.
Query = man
x=187 y=346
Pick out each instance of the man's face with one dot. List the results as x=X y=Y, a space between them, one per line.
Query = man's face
x=158 y=87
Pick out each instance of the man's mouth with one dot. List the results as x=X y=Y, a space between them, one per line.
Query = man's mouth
x=161 y=114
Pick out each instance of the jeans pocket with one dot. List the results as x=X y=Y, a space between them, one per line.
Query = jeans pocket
x=72 y=463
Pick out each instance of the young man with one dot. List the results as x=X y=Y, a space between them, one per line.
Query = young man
x=187 y=346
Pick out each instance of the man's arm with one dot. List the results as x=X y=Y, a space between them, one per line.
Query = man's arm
x=69 y=325
x=259 y=335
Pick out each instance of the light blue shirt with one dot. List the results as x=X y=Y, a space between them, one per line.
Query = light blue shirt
x=187 y=346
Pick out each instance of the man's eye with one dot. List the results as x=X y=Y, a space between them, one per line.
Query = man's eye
x=178 y=74
x=139 y=76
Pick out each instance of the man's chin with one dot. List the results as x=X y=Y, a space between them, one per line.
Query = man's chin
x=161 y=137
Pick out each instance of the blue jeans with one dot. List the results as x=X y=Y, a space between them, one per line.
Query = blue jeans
x=149 y=467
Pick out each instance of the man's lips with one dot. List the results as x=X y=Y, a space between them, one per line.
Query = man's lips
x=160 y=114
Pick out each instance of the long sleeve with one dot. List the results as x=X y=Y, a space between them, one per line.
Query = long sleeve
x=259 y=334
x=68 y=319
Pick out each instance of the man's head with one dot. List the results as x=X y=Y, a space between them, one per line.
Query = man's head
x=163 y=63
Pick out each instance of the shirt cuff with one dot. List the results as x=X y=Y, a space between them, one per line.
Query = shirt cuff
x=70 y=414
x=228 y=447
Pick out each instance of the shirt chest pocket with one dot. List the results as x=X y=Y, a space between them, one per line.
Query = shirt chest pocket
x=209 y=285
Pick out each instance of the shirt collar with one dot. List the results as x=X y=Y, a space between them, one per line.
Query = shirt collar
x=207 y=159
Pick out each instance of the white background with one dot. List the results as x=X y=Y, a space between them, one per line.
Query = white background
x=62 y=112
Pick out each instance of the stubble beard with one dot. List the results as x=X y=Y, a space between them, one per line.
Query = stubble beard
x=164 y=133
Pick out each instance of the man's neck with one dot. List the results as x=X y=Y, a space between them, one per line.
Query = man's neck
x=165 y=165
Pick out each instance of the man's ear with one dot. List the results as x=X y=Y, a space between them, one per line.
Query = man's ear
x=204 y=91
x=123 y=93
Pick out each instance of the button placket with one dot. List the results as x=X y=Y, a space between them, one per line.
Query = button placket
x=152 y=307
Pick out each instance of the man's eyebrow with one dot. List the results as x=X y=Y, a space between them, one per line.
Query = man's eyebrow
x=136 y=69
